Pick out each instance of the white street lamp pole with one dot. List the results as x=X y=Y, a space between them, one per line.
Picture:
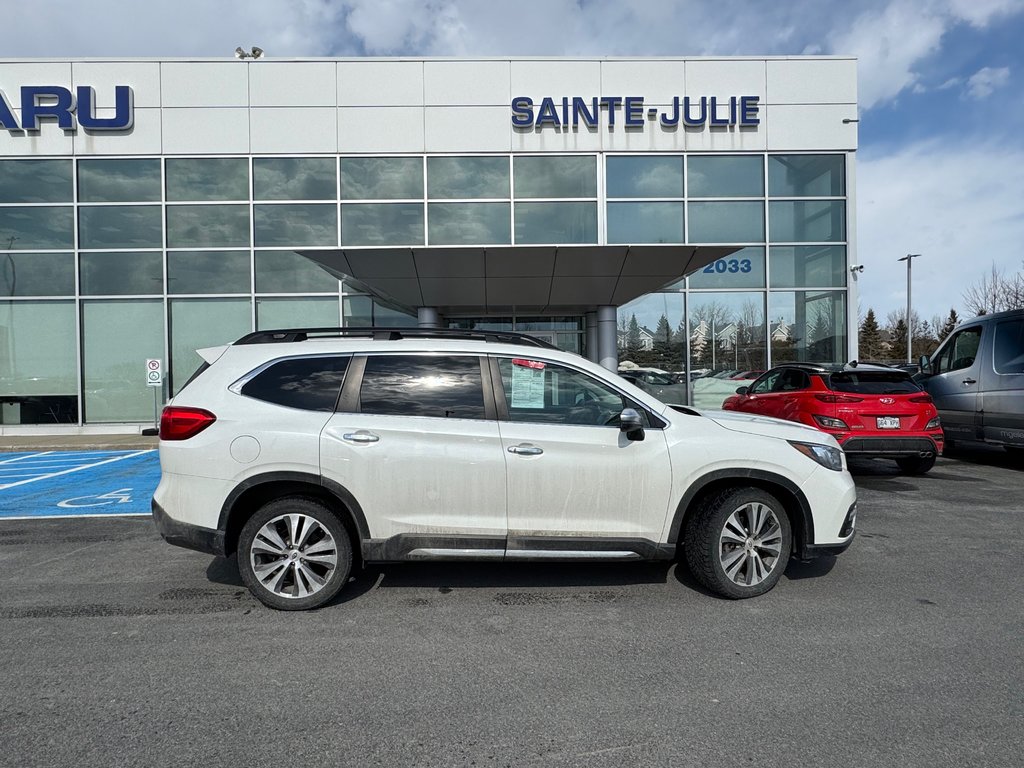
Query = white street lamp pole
x=909 y=258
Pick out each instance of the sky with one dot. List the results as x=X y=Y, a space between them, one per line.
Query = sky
x=940 y=82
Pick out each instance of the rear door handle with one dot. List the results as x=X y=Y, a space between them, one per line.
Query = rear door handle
x=362 y=436
x=525 y=449
x=970 y=381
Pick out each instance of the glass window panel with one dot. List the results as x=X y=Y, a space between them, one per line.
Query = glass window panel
x=381 y=178
x=644 y=176
x=556 y=223
x=1008 y=348
x=37 y=349
x=808 y=326
x=358 y=311
x=743 y=269
x=389 y=317
x=307 y=312
x=363 y=311
x=208 y=178
x=296 y=225
x=121 y=273
x=806 y=175
x=556 y=176
x=804 y=221
x=726 y=222
x=718 y=176
x=208 y=271
x=35 y=181
x=645 y=223
x=309 y=383
x=727 y=333
x=417 y=385
x=120 y=226
x=808 y=266
x=117 y=337
x=199 y=323
x=29 y=229
x=37 y=274
x=469 y=223
x=467 y=177
x=295 y=178
x=288 y=272
x=652 y=332
x=382 y=224
x=119 y=181
x=198 y=226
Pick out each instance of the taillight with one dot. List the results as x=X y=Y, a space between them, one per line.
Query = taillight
x=830 y=398
x=177 y=423
x=829 y=423
x=925 y=398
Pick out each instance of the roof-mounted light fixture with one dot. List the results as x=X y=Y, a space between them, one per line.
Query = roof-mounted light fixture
x=255 y=53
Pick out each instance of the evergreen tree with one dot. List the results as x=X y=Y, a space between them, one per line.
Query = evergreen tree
x=898 y=345
x=949 y=326
x=870 y=338
x=634 y=343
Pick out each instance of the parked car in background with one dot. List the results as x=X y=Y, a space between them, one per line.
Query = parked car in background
x=871 y=411
x=976 y=378
x=656 y=382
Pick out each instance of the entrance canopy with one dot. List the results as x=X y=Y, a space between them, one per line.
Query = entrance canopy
x=526 y=278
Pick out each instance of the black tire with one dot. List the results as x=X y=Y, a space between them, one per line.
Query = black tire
x=706 y=543
x=289 y=581
x=916 y=465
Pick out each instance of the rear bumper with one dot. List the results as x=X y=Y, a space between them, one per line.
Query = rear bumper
x=892 y=446
x=186 y=535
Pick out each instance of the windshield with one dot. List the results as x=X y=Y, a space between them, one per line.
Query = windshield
x=873 y=383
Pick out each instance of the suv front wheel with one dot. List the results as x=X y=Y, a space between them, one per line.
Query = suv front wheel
x=294 y=554
x=737 y=543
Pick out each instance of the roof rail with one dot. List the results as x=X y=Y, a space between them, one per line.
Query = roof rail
x=392 y=334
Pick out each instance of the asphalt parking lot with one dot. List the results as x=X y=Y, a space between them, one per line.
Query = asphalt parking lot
x=121 y=650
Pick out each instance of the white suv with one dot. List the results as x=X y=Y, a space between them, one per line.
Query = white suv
x=310 y=451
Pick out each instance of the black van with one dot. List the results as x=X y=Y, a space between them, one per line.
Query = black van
x=976 y=378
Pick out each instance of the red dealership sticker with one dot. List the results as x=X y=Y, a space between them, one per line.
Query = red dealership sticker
x=527 y=363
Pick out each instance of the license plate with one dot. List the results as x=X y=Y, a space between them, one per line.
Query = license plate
x=888 y=422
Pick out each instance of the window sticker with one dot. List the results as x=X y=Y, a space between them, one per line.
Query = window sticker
x=527 y=384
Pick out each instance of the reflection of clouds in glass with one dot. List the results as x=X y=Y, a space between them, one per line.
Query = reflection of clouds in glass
x=410 y=386
x=120 y=227
x=210 y=178
x=467 y=177
x=381 y=178
x=37 y=274
x=207 y=225
x=296 y=225
x=382 y=224
x=287 y=272
x=208 y=272
x=726 y=176
x=726 y=222
x=23 y=229
x=35 y=181
x=114 y=181
x=121 y=273
x=556 y=223
x=645 y=222
x=469 y=223
x=645 y=176
x=294 y=178
x=555 y=176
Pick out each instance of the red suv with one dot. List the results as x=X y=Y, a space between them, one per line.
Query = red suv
x=871 y=411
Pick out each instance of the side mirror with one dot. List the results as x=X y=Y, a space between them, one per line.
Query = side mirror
x=631 y=423
x=742 y=390
x=924 y=363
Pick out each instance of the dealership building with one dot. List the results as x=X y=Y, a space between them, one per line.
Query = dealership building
x=693 y=213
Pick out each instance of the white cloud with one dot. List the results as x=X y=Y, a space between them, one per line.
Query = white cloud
x=985 y=81
x=961 y=209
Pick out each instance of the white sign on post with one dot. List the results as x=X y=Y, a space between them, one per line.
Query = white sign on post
x=154 y=373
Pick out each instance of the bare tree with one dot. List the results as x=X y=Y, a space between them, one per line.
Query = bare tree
x=995 y=292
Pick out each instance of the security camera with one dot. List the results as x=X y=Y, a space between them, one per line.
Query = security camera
x=857 y=268
x=257 y=52
x=239 y=53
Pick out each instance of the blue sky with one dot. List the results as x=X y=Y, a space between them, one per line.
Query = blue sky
x=941 y=88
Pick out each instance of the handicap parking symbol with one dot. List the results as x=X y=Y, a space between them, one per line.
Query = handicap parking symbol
x=120 y=496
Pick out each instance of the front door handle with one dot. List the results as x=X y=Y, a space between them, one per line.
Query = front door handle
x=362 y=436
x=525 y=449
x=969 y=381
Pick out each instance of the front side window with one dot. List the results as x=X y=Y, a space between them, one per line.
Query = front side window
x=961 y=351
x=1009 y=347
x=765 y=384
x=420 y=385
x=309 y=383
x=537 y=391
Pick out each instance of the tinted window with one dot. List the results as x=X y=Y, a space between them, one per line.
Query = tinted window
x=791 y=380
x=1009 y=347
x=873 y=383
x=765 y=383
x=310 y=383
x=961 y=350
x=544 y=392
x=415 y=385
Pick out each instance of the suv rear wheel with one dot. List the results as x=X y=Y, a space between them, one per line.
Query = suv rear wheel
x=738 y=542
x=294 y=554
x=916 y=465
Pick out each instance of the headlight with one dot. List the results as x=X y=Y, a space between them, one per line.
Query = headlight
x=934 y=423
x=831 y=458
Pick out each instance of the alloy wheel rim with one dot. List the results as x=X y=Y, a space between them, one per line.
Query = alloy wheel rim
x=293 y=556
x=750 y=544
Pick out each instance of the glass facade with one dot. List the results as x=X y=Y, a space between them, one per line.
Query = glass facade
x=107 y=261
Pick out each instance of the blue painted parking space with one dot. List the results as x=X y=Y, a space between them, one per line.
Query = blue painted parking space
x=77 y=483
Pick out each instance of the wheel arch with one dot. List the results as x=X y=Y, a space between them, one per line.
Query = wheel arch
x=252 y=493
x=793 y=499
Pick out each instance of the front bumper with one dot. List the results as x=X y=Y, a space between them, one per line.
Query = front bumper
x=187 y=535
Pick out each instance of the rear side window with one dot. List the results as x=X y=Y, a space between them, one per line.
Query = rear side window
x=874 y=383
x=309 y=383
x=416 y=385
x=1009 y=347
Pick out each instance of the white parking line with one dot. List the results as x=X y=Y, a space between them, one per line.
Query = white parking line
x=4 y=487
x=27 y=456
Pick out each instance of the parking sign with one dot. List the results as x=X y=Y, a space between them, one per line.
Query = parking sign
x=154 y=372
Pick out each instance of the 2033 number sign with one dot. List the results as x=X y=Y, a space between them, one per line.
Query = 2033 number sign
x=728 y=265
